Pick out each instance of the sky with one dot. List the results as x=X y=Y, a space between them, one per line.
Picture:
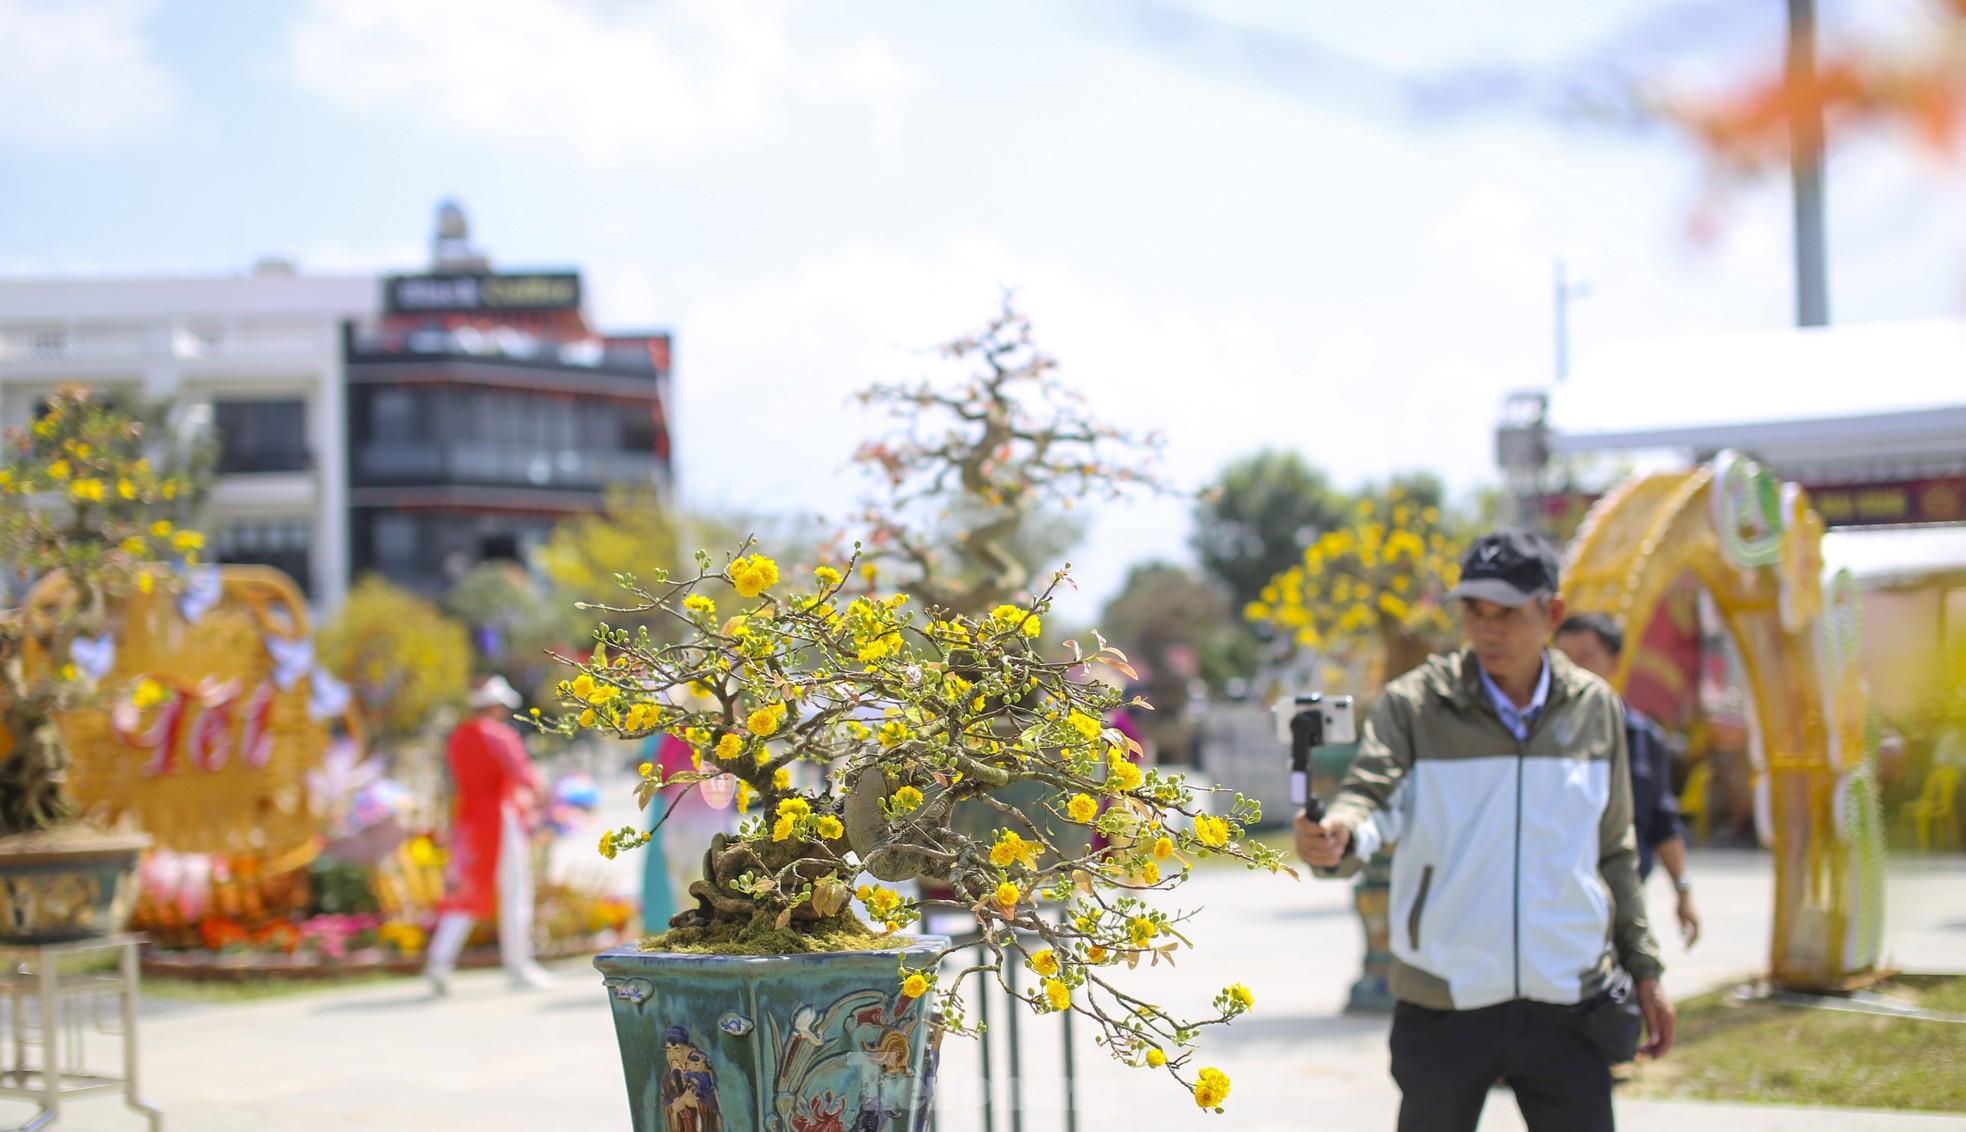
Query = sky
x=1276 y=223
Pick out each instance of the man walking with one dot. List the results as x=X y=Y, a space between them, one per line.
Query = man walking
x=1593 y=642
x=1518 y=924
x=489 y=871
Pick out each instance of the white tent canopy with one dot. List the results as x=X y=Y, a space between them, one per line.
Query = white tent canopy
x=1838 y=397
x=1882 y=557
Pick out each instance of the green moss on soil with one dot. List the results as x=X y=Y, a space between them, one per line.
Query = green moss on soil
x=761 y=936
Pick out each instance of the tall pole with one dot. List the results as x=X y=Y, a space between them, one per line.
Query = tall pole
x=1806 y=160
x=1565 y=293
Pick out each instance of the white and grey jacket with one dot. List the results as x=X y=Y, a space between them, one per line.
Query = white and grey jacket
x=1516 y=873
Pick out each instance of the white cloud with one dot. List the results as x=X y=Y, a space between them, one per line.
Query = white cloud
x=604 y=79
x=74 y=72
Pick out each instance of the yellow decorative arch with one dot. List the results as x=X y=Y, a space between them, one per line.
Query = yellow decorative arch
x=1756 y=546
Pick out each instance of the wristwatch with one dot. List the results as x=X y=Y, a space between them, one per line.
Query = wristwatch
x=1682 y=884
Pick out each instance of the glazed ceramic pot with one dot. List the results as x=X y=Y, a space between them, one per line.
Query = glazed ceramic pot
x=779 y=1043
x=66 y=885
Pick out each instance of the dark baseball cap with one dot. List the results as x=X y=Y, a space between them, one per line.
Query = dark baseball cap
x=1510 y=567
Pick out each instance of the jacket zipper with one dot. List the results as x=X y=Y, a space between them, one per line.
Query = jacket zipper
x=1515 y=920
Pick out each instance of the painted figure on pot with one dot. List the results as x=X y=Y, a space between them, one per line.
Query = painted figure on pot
x=689 y=1086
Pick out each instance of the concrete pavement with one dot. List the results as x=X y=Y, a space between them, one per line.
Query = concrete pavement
x=489 y=1058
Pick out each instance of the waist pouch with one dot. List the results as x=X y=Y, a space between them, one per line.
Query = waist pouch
x=1611 y=1020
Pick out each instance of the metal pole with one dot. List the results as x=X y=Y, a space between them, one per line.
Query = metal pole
x=1012 y=1009
x=1071 y=1080
x=1562 y=324
x=983 y=1042
x=1806 y=161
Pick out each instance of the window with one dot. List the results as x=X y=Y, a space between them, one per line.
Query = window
x=637 y=429
x=261 y=436
x=396 y=544
x=392 y=415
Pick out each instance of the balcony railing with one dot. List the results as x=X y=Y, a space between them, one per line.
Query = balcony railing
x=484 y=462
x=178 y=340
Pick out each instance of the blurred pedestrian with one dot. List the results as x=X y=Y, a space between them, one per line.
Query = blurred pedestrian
x=1594 y=642
x=496 y=792
x=1520 y=944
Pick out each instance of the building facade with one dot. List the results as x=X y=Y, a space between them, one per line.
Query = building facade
x=410 y=425
x=258 y=357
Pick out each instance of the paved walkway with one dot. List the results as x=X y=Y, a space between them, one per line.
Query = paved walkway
x=489 y=1058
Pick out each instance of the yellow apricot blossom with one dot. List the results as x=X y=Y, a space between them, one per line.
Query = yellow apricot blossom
x=1057 y=994
x=1212 y=1089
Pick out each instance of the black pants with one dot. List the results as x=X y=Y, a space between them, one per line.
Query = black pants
x=1445 y=1061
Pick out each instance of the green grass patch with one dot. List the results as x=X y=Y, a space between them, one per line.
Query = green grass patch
x=221 y=991
x=1732 y=1050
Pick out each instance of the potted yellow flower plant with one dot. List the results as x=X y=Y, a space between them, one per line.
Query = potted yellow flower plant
x=875 y=737
x=85 y=521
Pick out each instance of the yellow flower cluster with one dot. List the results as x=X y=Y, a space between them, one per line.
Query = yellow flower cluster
x=827 y=576
x=1045 y=962
x=1211 y=831
x=642 y=716
x=1082 y=809
x=1122 y=774
x=1012 y=849
x=753 y=575
x=407 y=939
x=792 y=812
x=914 y=986
x=700 y=603
x=1212 y=1088
x=907 y=800
x=729 y=746
x=1007 y=617
x=1361 y=582
x=1057 y=995
x=1084 y=724
x=881 y=903
x=766 y=720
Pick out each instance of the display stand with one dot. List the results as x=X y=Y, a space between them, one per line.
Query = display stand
x=61 y=1005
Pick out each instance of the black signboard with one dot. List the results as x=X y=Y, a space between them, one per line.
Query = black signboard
x=444 y=294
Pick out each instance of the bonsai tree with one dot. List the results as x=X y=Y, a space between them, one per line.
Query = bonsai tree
x=92 y=492
x=895 y=712
x=977 y=480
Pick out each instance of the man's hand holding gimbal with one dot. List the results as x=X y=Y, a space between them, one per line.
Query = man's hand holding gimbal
x=1322 y=844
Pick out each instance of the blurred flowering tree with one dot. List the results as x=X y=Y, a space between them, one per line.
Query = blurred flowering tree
x=978 y=478
x=907 y=712
x=402 y=657
x=1373 y=591
x=91 y=492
